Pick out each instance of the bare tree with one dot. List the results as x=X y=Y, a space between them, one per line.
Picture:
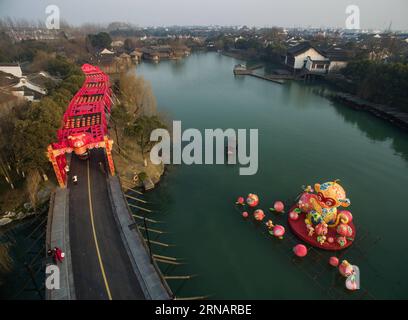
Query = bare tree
x=33 y=184
x=137 y=95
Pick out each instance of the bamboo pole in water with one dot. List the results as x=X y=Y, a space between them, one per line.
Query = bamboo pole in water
x=165 y=257
x=128 y=183
x=153 y=230
x=168 y=261
x=136 y=199
x=159 y=243
x=179 y=277
x=149 y=220
x=143 y=209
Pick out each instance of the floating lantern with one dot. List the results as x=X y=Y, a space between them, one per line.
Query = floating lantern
x=294 y=214
x=259 y=215
x=252 y=200
x=278 y=231
x=300 y=250
x=344 y=230
x=334 y=261
x=351 y=283
x=346 y=269
x=278 y=206
x=245 y=214
x=240 y=201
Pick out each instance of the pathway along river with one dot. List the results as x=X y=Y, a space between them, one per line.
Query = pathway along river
x=303 y=138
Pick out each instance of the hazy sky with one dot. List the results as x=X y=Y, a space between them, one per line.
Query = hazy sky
x=375 y=14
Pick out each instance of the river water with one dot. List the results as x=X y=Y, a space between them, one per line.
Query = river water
x=303 y=138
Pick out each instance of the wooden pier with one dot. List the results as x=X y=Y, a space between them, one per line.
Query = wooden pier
x=273 y=78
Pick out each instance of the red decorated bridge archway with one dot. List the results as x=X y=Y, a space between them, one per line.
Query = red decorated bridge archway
x=84 y=125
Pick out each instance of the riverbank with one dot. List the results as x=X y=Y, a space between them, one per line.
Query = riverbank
x=23 y=209
x=392 y=115
x=134 y=169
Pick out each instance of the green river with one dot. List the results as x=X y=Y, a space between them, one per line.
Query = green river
x=303 y=138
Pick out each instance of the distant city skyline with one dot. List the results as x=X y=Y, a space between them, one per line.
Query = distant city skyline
x=374 y=14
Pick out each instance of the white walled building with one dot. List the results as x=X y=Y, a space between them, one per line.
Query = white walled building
x=297 y=56
x=12 y=68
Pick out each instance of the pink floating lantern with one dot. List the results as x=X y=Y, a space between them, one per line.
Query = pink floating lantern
x=351 y=283
x=300 y=250
x=240 y=200
x=346 y=269
x=334 y=261
x=259 y=215
x=293 y=215
x=278 y=206
x=278 y=231
x=252 y=200
x=245 y=214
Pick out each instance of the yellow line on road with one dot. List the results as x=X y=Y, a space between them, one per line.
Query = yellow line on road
x=94 y=235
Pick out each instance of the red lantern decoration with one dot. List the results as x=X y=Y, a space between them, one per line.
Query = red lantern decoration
x=346 y=269
x=300 y=250
x=279 y=206
x=334 y=261
x=252 y=200
x=278 y=231
x=259 y=215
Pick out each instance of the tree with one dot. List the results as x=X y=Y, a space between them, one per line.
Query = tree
x=137 y=95
x=129 y=45
x=100 y=40
x=34 y=133
x=141 y=130
x=32 y=186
